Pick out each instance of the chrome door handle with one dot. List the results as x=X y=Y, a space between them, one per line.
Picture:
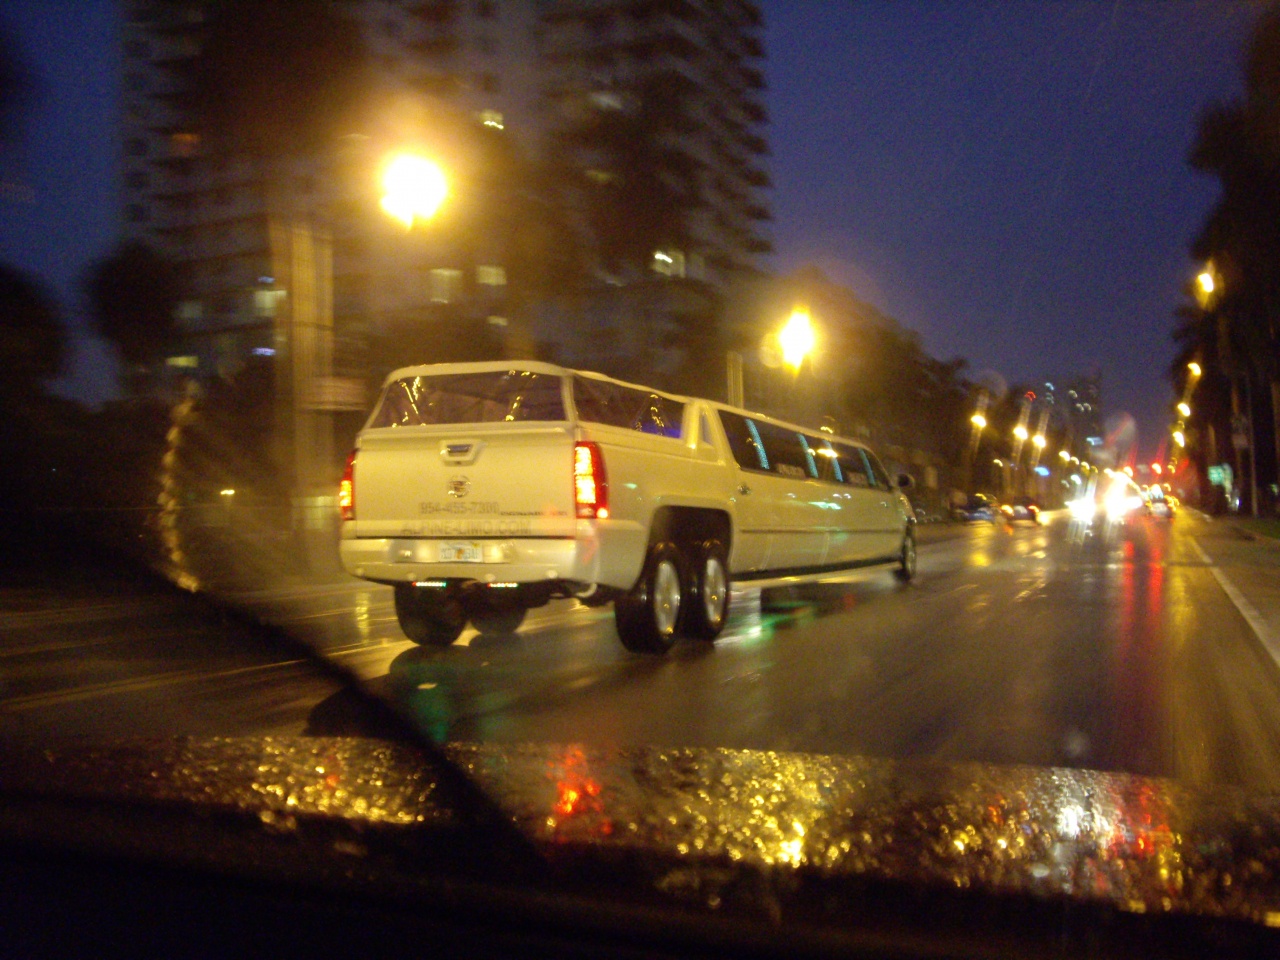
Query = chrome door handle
x=743 y=489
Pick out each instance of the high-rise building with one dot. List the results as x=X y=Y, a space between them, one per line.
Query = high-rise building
x=543 y=76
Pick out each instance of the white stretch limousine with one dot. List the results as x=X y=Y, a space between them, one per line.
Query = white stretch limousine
x=479 y=490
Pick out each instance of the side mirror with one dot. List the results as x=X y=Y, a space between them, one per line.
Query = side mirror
x=904 y=480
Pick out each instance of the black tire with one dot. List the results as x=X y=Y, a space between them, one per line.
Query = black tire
x=707 y=607
x=499 y=622
x=431 y=617
x=648 y=617
x=906 y=571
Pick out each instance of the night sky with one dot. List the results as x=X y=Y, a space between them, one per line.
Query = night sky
x=1007 y=179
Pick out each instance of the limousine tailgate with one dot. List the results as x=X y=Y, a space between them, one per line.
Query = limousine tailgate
x=465 y=480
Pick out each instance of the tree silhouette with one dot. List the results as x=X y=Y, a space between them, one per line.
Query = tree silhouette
x=133 y=294
x=1239 y=144
x=32 y=340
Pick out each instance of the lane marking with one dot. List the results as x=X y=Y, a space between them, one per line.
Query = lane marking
x=1269 y=637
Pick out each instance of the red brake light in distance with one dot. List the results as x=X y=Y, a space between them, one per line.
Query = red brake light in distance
x=590 y=488
x=347 y=489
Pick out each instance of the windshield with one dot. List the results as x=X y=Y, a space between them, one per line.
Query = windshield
x=810 y=293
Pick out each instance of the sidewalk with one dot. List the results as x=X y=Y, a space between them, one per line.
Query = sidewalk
x=1244 y=556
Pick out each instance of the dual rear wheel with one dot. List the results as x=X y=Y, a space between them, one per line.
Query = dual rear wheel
x=680 y=591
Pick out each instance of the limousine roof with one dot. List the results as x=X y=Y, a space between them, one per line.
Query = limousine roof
x=555 y=370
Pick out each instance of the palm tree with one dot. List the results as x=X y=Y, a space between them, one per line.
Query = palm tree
x=1239 y=144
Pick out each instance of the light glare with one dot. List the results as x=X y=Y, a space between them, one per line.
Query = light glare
x=796 y=339
x=413 y=188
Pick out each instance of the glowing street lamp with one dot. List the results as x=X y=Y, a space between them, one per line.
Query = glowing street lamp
x=413 y=188
x=979 y=421
x=1194 y=368
x=797 y=338
x=1179 y=438
x=1039 y=441
x=1184 y=409
x=1020 y=432
x=1206 y=282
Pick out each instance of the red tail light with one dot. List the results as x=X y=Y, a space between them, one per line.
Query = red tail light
x=347 y=489
x=590 y=487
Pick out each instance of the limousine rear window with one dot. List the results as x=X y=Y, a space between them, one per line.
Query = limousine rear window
x=489 y=397
x=600 y=401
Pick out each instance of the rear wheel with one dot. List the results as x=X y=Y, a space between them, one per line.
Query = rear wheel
x=906 y=571
x=429 y=616
x=708 y=605
x=647 y=617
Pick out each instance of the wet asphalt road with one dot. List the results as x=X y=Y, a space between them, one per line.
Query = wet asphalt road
x=1015 y=645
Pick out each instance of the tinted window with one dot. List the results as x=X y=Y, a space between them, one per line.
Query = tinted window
x=853 y=467
x=826 y=460
x=743 y=442
x=514 y=395
x=786 y=451
x=599 y=401
x=877 y=471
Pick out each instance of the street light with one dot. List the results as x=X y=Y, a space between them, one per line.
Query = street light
x=413 y=188
x=979 y=421
x=1194 y=368
x=1184 y=409
x=1020 y=432
x=1206 y=282
x=1039 y=441
x=796 y=338
x=1179 y=438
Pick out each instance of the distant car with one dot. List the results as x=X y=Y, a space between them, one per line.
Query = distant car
x=1021 y=509
x=1160 y=505
x=978 y=507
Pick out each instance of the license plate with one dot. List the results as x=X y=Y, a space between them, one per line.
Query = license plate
x=455 y=551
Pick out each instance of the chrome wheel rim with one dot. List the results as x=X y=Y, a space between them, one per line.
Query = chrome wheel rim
x=714 y=590
x=666 y=597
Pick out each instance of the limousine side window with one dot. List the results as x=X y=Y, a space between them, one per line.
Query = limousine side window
x=853 y=466
x=877 y=471
x=599 y=401
x=786 y=451
x=744 y=444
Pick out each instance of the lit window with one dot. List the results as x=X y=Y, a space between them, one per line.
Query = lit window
x=186 y=363
x=446 y=285
x=265 y=302
x=606 y=100
x=670 y=263
x=491 y=276
x=189 y=311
